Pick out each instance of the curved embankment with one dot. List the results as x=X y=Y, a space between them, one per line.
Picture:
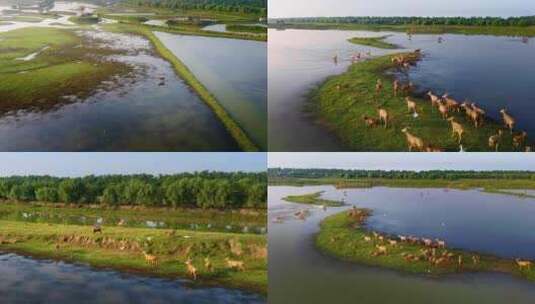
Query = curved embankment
x=377 y=42
x=122 y=249
x=312 y=199
x=343 y=101
x=241 y=137
x=345 y=236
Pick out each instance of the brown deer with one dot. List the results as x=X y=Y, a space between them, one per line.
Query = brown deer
x=191 y=269
x=451 y=103
x=494 y=140
x=508 y=120
x=396 y=87
x=413 y=141
x=233 y=264
x=383 y=116
x=457 y=128
x=523 y=264
x=443 y=109
x=519 y=139
x=474 y=116
x=434 y=99
x=411 y=105
x=370 y=121
x=150 y=259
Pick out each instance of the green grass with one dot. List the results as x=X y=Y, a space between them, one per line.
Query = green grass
x=84 y=20
x=235 y=130
x=61 y=69
x=377 y=42
x=133 y=216
x=342 y=235
x=247 y=28
x=342 y=101
x=312 y=199
x=421 y=29
x=121 y=248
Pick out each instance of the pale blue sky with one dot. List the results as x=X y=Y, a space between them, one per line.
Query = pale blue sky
x=405 y=161
x=312 y=8
x=81 y=164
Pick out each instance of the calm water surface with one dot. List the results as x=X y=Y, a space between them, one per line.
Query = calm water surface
x=235 y=71
x=30 y=281
x=465 y=219
x=149 y=110
x=299 y=60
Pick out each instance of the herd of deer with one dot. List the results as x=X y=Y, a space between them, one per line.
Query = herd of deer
x=434 y=251
x=152 y=260
x=445 y=105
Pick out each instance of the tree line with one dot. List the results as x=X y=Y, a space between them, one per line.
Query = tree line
x=431 y=174
x=258 y=7
x=201 y=190
x=465 y=21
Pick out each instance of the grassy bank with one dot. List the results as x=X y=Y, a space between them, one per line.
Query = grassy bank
x=486 y=184
x=528 y=31
x=235 y=130
x=345 y=236
x=312 y=199
x=135 y=216
x=342 y=102
x=60 y=68
x=377 y=42
x=247 y=28
x=121 y=249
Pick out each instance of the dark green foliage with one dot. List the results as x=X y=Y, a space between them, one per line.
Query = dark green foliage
x=242 y=6
x=471 y=21
x=432 y=174
x=202 y=189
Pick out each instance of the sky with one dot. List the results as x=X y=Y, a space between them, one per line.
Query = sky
x=466 y=8
x=82 y=164
x=405 y=161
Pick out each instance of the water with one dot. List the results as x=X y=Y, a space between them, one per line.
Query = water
x=235 y=71
x=299 y=273
x=150 y=110
x=299 y=60
x=29 y=281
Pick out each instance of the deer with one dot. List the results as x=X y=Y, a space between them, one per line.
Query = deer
x=396 y=87
x=367 y=238
x=457 y=128
x=508 y=120
x=475 y=259
x=370 y=121
x=411 y=105
x=97 y=228
x=413 y=141
x=494 y=140
x=378 y=86
x=519 y=139
x=381 y=250
x=208 y=264
x=383 y=116
x=478 y=109
x=434 y=99
x=151 y=259
x=441 y=243
x=238 y=265
x=443 y=109
x=523 y=264
x=451 y=103
x=191 y=269
x=473 y=115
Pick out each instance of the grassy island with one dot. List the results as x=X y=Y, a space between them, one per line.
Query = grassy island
x=312 y=199
x=345 y=236
x=377 y=42
x=343 y=102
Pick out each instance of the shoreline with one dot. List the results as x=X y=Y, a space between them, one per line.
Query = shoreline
x=346 y=237
x=341 y=102
x=76 y=244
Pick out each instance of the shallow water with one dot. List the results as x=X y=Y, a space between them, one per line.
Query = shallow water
x=299 y=60
x=299 y=273
x=235 y=71
x=29 y=281
x=151 y=109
